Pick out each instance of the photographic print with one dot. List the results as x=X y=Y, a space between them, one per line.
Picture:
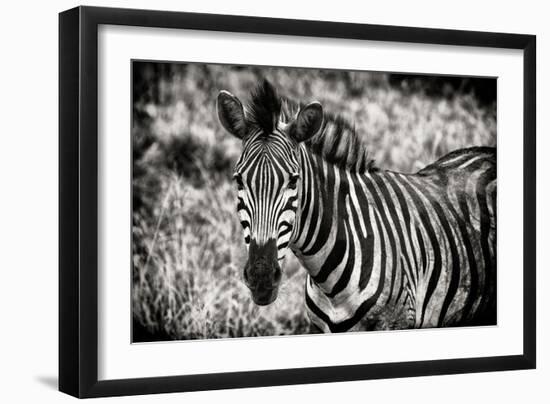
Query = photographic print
x=271 y=201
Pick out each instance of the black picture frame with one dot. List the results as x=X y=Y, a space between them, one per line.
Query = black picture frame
x=78 y=200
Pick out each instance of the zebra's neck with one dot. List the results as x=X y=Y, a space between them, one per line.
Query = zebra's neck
x=335 y=241
x=336 y=236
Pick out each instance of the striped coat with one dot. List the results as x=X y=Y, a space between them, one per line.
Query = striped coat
x=424 y=242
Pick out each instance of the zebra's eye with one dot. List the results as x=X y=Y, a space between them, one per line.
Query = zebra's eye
x=292 y=181
x=239 y=180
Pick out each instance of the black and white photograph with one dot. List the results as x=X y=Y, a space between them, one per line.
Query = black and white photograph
x=271 y=201
x=276 y=202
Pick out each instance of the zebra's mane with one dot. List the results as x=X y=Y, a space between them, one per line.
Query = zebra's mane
x=337 y=142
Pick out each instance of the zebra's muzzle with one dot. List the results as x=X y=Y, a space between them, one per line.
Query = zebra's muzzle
x=262 y=273
x=263 y=297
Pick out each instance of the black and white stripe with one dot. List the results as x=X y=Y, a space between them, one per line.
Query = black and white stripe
x=383 y=238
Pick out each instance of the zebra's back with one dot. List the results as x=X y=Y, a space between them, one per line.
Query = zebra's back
x=459 y=192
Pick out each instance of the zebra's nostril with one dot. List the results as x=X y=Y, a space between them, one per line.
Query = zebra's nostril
x=277 y=276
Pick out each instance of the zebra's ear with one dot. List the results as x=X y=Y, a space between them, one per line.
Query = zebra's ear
x=231 y=114
x=308 y=122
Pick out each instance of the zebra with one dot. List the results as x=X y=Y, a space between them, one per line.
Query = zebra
x=370 y=239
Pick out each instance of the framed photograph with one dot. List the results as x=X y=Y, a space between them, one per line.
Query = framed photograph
x=250 y=201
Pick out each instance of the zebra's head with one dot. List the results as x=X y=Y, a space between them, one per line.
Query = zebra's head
x=268 y=178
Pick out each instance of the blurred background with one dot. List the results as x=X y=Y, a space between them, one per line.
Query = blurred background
x=187 y=246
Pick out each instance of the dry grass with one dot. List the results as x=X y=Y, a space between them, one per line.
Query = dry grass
x=188 y=252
